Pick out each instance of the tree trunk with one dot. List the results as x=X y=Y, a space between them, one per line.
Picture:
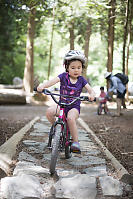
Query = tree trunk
x=28 y=72
x=51 y=44
x=129 y=38
x=86 y=46
x=71 y=32
x=125 y=36
x=111 y=36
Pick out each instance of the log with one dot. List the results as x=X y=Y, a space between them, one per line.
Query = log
x=4 y=86
x=12 y=96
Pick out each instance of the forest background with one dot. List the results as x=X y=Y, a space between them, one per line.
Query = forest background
x=36 y=34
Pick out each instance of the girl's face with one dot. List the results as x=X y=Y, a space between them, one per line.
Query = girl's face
x=75 y=69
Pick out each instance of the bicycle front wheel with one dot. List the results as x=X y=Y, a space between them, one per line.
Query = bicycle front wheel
x=68 y=147
x=55 y=149
x=99 y=110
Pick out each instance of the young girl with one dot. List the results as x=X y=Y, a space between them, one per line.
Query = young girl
x=71 y=83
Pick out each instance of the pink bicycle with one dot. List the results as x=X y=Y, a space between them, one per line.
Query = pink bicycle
x=59 y=136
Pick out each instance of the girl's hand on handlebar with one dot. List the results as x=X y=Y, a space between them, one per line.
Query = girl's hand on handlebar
x=91 y=97
x=40 y=88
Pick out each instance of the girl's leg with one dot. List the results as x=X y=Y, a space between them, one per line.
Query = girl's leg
x=51 y=113
x=72 y=116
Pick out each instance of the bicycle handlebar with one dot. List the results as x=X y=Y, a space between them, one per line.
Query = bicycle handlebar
x=48 y=92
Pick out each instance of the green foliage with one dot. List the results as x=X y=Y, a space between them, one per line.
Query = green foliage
x=42 y=45
x=13 y=32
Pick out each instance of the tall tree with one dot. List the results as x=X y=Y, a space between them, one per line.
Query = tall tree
x=111 y=22
x=86 y=45
x=129 y=38
x=51 y=43
x=71 y=32
x=125 y=34
x=129 y=34
x=29 y=62
x=28 y=72
x=12 y=30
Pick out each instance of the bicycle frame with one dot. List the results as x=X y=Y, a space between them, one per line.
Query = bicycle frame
x=62 y=120
x=62 y=116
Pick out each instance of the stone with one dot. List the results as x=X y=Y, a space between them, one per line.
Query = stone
x=31 y=142
x=127 y=178
x=79 y=186
x=30 y=169
x=17 y=81
x=42 y=127
x=62 y=172
x=83 y=137
x=93 y=152
x=44 y=119
x=96 y=171
x=86 y=160
x=110 y=186
x=18 y=187
x=26 y=157
x=38 y=134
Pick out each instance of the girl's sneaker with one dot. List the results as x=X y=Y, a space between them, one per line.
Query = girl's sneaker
x=75 y=147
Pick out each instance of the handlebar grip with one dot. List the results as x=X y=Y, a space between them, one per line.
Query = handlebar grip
x=45 y=91
x=86 y=98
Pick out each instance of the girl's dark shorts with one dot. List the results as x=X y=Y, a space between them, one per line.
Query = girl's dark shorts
x=67 y=109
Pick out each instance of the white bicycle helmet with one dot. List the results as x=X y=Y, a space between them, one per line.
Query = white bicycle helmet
x=74 y=54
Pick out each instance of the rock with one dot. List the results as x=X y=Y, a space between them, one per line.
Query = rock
x=110 y=186
x=18 y=187
x=17 y=81
x=127 y=178
x=79 y=186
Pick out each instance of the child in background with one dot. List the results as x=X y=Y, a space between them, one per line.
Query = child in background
x=102 y=101
x=71 y=83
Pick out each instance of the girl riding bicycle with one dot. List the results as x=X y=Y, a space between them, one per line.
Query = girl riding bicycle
x=102 y=102
x=71 y=83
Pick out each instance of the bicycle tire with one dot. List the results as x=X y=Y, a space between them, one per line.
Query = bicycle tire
x=51 y=137
x=55 y=149
x=99 y=110
x=68 y=148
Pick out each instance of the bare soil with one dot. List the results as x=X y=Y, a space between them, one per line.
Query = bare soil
x=115 y=133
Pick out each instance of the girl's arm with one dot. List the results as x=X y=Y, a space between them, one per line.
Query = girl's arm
x=90 y=91
x=48 y=84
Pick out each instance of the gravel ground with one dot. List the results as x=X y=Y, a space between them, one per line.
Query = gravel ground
x=115 y=133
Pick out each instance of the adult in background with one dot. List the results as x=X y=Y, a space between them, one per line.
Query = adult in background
x=118 y=88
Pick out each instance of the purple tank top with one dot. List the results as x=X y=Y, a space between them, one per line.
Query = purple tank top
x=67 y=88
